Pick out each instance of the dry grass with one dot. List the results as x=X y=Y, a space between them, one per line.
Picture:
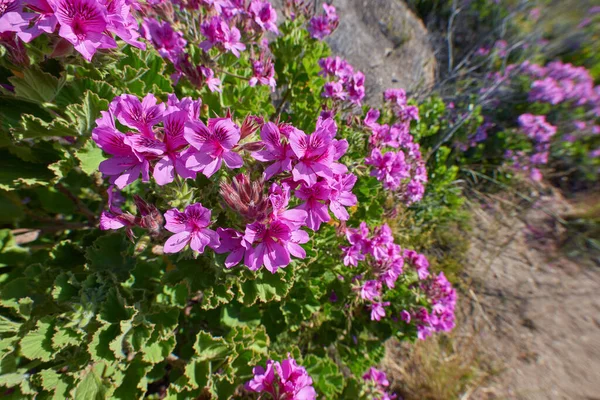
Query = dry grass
x=440 y=368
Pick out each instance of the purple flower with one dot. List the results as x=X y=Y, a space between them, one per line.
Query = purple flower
x=275 y=150
x=190 y=227
x=263 y=72
x=390 y=168
x=172 y=161
x=279 y=196
x=377 y=376
x=121 y=23
x=314 y=197
x=232 y=242
x=321 y=26
x=213 y=83
x=341 y=195
x=83 y=22
x=355 y=85
x=271 y=245
x=218 y=33
x=335 y=66
x=315 y=152
x=213 y=144
x=264 y=379
x=286 y=380
x=378 y=310
x=43 y=21
x=125 y=166
x=264 y=15
x=334 y=90
x=442 y=298
x=141 y=116
x=370 y=290
x=12 y=17
x=169 y=43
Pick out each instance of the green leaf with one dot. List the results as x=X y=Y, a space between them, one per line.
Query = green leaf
x=198 y=373
x=89 y=156
x=134 y=382
x=16 y=173
x=83 y=116
x=210 y=348
x=113 y=309
x=110 y=253
x=36 y=85
x=91 y=387
x=65 y=337
x=32 y=127
x=266 y=286
x=326 y=376
x=11 y=253
x=37 y=344
x=156 y=350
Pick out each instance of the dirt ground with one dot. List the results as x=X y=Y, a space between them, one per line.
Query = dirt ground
x=534 y=312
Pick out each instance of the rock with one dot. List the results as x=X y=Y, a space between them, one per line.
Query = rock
x=387 y=42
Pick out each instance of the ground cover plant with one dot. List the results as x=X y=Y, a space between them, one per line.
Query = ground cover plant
x=197 y=204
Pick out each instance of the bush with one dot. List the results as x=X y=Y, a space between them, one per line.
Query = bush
x=236 y=254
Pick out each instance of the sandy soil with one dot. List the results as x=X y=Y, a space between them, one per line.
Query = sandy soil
x=534 y=311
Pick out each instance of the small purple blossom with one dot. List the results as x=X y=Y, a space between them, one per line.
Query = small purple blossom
x=284 y=380
x=190 y=226
x=213 y=144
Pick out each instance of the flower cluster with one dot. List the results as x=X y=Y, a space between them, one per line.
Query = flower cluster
x=159 y=138
x=321 y=26
x=284 y=380
x=442 y=298
x=562 y=82
x=385 y=258
x=536 y=128
x=377 y=385
x=403 y=170
x=171 y=141
x=229 y=27
x=89 y=25
x=387 y=262
x=480 y=135
x=346 y=84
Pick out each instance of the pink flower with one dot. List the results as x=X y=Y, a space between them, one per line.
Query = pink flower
x=334 y=90
x=190 y=227
x=139 y=115
x=279 y=196
x=12 y=17
x=314 y=152
x=213 y=83
x=377 y=376
x=218 y=33
x=290 y=382
x=263 y=72
x=213 y=144
x=264 y=15
x=314 y=197
x=232 y=242
x=370 y=290
x=121 y=23
x=378 y=310
x=264 y=379
x=83 y=22
x=341 y=195
x=172 y=161
x=169 y=43
x=125 y=166
x=275 y=150
x=271 y=245
x=43 y=21
x=321 y=26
